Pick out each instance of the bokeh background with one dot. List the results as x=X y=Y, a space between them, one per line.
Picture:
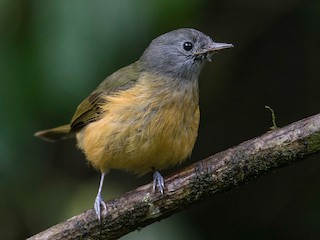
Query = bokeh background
x=54 y=53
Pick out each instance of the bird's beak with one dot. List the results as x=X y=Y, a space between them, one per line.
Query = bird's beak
x=208 y=51
x=214 y=46
x=211 y=49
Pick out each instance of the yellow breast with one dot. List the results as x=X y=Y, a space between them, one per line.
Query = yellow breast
x=151 y=125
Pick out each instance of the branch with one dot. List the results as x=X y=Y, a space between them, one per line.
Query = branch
x=218 y=173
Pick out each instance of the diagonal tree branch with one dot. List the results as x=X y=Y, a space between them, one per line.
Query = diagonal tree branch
x=218 y=173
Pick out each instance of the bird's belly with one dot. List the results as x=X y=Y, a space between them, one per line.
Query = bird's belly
x=140 y=136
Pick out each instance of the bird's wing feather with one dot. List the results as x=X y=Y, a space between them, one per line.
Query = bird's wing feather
x=89 y=109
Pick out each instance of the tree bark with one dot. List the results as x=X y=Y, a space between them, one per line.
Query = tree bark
x=218 y=173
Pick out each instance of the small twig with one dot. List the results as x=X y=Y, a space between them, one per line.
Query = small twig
x=218 y=173
x=273 y=116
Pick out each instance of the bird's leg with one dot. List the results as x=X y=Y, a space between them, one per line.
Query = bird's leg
x=158 y=182
x=99 y=201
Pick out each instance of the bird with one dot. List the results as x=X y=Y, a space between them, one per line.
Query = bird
x=144 y=117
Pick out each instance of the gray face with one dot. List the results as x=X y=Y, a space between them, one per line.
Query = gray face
x=180 y=53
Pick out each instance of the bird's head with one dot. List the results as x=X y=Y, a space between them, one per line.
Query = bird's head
x=180 y=53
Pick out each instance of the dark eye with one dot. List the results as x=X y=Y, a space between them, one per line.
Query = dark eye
x=187 y=46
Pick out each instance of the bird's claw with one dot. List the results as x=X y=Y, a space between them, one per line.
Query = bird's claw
x=97 y=206
x=158 y=182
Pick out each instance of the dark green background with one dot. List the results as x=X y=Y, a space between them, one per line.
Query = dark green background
x=54 y=53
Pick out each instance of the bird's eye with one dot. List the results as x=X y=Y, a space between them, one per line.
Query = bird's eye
x=187 y=46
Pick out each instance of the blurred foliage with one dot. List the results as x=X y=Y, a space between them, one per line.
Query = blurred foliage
x=54 y=53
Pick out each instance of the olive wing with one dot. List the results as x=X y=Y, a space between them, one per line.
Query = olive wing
x=89 y=110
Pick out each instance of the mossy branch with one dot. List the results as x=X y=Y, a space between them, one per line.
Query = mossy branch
x=218 y=173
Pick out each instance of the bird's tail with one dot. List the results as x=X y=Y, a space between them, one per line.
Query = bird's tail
x=55 y=134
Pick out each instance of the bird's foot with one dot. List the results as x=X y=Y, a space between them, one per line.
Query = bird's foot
x=158 y=182
x=97 y=206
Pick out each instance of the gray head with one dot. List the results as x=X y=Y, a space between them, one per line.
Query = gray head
x=180 y=53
